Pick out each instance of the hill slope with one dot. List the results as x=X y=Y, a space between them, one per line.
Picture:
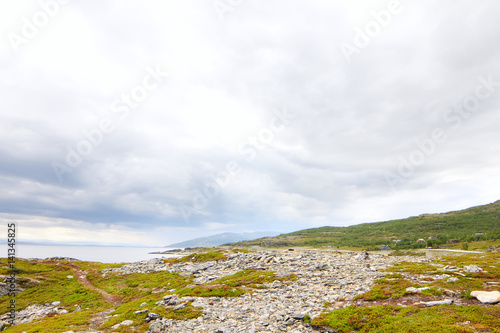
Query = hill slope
x=472 y=224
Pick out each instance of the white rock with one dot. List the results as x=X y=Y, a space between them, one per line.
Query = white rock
x=488 y=297
x=472 y=269
x=417 y=290
x=443 y=302
x=69 y=276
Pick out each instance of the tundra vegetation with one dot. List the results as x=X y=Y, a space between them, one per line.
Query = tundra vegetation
x=478 y=227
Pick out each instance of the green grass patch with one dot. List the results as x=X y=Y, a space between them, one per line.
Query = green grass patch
x=211 y=291
x=47 y=283
x=386 y=288
x=462 y=285
x=137 y=285
x=126 y=312
x=189 y=312
x=242 y=250
x=235 y=285
x=77 y=321
x=440 y=319
x=199 y=257
x=399 y=253
x=413 y=267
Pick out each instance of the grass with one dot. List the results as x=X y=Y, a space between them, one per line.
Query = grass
x=398 y=253
x=137 y=285
x=386 y=288
x=77 y=321
x=199 y=257
x=374 y=319
x=189 y=312
x=44 y=283
x=242 y=250
x=235 y=285
x=477 y=246
x=413 y=267
x=212 y=291
x=126 y=312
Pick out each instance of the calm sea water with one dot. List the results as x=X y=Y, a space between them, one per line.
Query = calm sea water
x=107 y=254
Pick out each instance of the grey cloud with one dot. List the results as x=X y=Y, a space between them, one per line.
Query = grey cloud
x=353 y=121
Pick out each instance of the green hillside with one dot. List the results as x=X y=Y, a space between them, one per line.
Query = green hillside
x=472 y=224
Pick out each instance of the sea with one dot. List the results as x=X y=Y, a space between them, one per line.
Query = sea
x=104 y=254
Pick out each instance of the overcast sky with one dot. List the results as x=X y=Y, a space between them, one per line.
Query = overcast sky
x=153 y=122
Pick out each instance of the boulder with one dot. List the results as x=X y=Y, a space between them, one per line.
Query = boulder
x=416 y=290
x=433 y=303
x=180 y=306
x=472 y=269
x=200 y=267
x=487 y=297
x=153 y=315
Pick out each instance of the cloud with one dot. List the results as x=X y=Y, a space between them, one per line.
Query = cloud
x=203 y=152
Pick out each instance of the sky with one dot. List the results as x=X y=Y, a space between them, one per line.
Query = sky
x=155 y=122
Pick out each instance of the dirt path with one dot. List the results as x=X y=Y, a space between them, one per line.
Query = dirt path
x=82 y=277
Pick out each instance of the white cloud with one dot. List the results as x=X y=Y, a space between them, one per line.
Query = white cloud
x=353 y=121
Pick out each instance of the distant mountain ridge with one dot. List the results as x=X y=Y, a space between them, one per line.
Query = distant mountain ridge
x=471 y=224
x=224 y=238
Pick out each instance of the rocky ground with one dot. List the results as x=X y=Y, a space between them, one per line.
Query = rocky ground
x=322 y=280
x=322 y=277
